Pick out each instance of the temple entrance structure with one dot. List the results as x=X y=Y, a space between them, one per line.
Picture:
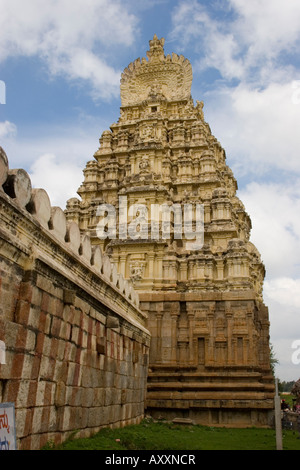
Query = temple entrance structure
x=199 y=280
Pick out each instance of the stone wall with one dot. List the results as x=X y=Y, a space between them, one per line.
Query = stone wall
x=76 y=346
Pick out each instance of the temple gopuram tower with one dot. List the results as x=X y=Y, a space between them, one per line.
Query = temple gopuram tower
x=209 y=354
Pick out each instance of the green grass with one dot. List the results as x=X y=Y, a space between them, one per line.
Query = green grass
x=151 y=435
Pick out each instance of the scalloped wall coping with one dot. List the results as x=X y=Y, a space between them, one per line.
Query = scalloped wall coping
x=16 y=184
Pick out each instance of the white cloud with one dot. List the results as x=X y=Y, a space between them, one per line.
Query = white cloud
x=247 y=43
x=8 y=130
x=257 y=44
x=285 y=291
x=267 y=27
x=73 y=38
x=55 y=157
x=282 y=299
x=84 y=64
x=216 y=46
x=274 y=209
x=286 y=369
x=59 y=179
x=258 y=128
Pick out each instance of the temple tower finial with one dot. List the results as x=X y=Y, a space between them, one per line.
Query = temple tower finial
x=156 y=52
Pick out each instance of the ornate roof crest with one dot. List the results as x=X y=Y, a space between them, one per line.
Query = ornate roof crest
x=171 y=75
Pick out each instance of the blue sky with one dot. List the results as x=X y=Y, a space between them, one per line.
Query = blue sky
x=61 y=63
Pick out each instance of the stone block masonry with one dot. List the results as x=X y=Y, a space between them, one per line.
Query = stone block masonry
x=76 y=346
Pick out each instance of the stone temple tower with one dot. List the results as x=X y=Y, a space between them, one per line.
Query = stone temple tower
x=209 y=354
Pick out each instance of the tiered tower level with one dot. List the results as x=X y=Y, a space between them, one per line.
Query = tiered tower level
x=209 y=354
